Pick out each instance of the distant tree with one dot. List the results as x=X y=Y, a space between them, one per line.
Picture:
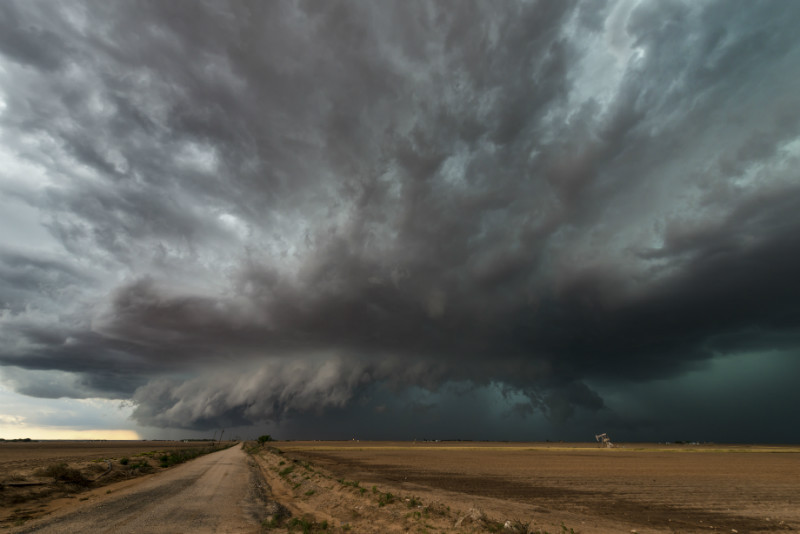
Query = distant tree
x=265 y=438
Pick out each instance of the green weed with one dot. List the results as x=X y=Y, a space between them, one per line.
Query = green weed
x=385 y=498
x=306 y=525
x=285 y=472
x=413 y=502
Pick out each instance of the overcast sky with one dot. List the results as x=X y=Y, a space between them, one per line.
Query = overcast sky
x=476 y=220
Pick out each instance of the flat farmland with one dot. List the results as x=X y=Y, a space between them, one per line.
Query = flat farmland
x=380 y=487
x=38 y=475
x=638 y=487
x=16 y=455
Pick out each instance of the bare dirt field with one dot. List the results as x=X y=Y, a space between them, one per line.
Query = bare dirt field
x=23 y=455
x=386 y=487
x=546 y=487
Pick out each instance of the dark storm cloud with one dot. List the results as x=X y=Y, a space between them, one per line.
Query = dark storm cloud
x=272 y=209
x=23 y=40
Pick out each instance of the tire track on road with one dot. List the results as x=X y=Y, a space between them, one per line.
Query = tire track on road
x=219 y=492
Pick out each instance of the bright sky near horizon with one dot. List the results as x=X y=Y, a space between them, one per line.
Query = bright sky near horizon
x=26 y=417
x=405 y=219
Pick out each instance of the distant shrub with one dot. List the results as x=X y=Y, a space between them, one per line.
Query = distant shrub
x=142 y=466
x=264 y=439
x=171 y=458
x=64 y=473
x=123 y=461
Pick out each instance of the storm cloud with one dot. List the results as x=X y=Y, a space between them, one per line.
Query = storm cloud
x=238 y=213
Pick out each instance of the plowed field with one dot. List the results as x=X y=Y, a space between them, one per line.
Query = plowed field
x=643 y=488
x=27 y=455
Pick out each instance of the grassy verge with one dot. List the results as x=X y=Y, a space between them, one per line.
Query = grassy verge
x=180 y=456
x=360 y=507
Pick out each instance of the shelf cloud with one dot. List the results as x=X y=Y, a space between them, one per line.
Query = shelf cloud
x=240 y=213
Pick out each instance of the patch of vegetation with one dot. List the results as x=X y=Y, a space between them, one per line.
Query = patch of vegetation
x=306 y=465
x=306 y=525
x=142 y=466
x=97 y=468
x=285 y=472
x=63 y=473
x=269 y=524
x=168 y=459
x=264 y=439
x=520 y=527
x=386 y=498
x=278 y=514
x=353 y=484
x=124 y=461
x=437 y=509
x=412 y=502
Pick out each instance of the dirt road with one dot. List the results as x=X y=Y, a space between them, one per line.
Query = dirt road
x=219 y=492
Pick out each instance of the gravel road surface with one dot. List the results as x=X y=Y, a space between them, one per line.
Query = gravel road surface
x=218 y=492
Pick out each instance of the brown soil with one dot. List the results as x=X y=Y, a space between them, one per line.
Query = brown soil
x=443 y=487
x=311 y=499
x=219 y=492
x=636 y=488
x=28 y=487
x=33 y=454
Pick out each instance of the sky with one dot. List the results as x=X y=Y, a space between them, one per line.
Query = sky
x=523 y=220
